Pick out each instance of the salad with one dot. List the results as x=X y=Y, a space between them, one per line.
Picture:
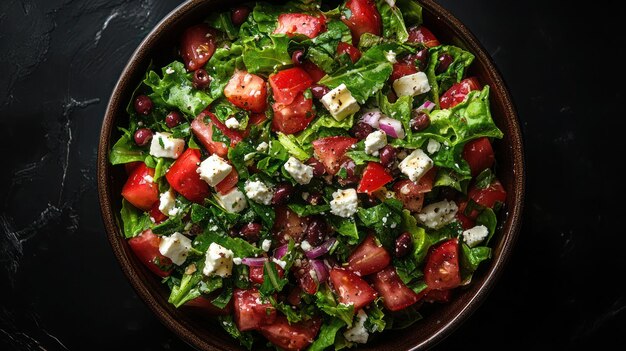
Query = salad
x=311 y=174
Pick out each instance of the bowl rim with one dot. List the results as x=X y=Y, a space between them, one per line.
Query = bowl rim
x=190 y=333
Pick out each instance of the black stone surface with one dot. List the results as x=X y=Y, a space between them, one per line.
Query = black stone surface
x=62 y=289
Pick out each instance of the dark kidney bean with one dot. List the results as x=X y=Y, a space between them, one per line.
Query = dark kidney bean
x=421 y=59
x=404 y=244
x=297 y=57
x=239 y=15
x=361 y=130
x=420 y=121
x=316 y=230
x=142 y=136
x=318 y=167
x=388 y=155
x=251 y=231
x=282 y=193
x=143 y=105
x=351 y=174
x=443 y=63
x=201 y=79
x=314 y=199
x=319 y=90
x=173 y=119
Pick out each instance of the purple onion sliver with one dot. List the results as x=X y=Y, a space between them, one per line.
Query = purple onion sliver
x=254 y=261
x=322 y=249
x=281 y=251
x=372 y=118
x=320 y=270
x=392 y=127
x=426 y=106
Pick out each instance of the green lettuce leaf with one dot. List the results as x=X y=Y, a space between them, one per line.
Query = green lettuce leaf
x=125 y=151
x=440 y=82
x=134 y=221
x=221 y=67
x=326 y=336
x=244 y=338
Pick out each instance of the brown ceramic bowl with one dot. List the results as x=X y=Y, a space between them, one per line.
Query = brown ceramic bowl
x=159 y=47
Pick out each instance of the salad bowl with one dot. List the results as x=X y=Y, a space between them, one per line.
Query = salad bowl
x=158 y=49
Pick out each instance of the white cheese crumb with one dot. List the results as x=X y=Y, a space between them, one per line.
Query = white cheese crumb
x=358 y=333
x=438 y=214
x=167 y=203
x=411 y=85
x=476 y=235
x=232 y=123
x=300 y=172
x=233 y=202
x=175 y=247
x=262 y=147
x=258 y=192
x=344 y=203
x=218 y=261
x=340 y=102
x=214 y=169
x=390 y=55
x=281 y=263
x=266 y=245
x=163 y=145
x=433 y=146
x=306 y=246
x=416 y=165
x=374 y=142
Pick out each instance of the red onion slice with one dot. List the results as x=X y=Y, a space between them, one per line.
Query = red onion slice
x=322 y=249
x=391 y=127
x=254 y=261
x=371 y=118
x=426 y=106
x=281 y=251
x=321 y=272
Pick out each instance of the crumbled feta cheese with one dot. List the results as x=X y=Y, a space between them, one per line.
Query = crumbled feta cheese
x=163 y=145
x=232 y=123
x=167 y=203
x=262 y=147
x=281 y=263
x=374 y=142
x=169 y=70
x=344 y=203
x=237 y=260
x=476 y=235
x=300 y=172
x=233 y=202
x=175 y=247
x=358 y=333
x=266 y=244
x=411 y=85
x=259 y=192
x=214 y=169
x=340 y=102
x=391 y=3
x=218 y=261
x=390 y=55
x=306 y=246
x=438 y=214
x=416 y=165
x=433 y=146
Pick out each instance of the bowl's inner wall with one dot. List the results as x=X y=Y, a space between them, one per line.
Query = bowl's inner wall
x=159 y=50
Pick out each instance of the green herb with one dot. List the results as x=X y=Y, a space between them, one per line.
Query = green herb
x=326 y=336
x=133 y=220
x=245 y=338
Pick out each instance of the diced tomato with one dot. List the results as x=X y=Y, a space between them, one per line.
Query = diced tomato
x=247 y=91
x=401 y=69
x=305 y=279
x=368 y=257
x=294 y=117
x=441 y=270
x=294 y=336
x=156 y=214
x=479 y=155
x=226 y=185
x=458 y=92
x=487 y=197
x=130 y=166
x=288 y=224
x=466 y=222
x=299 y=23
x=250 y=312
x=288 y=83
x=396 y=295
x=146 y=248
x=363 y=18
x=256 y=273
x=202 y=128
x=257 y=118
x=345 y=48
x=421 y=34
x=197 y=45
x=139 y=189
x=441 y=296
x=207 y=307
x=351 y=288
x=315 y=72
x=412 y=194
x=331 y=151
x=184 y=178
x=374 y=177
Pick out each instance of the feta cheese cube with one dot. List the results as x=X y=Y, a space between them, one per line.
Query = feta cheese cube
x=433 y=146
x=232 y=123
x=358 y=333
x=416 y=165
x=411 y=85
x=340 y=102
x=281 y=263
x=259 y=192
x=175 y=247
x=305 y=246
x=262 y=147
x=344 y=203
x=476 y=235
x=300 y=172
x=214 y=169
x=438 y=214
x=163 y=145
x=167 y=203
x=218 y=261
x=374 y=142
x=233 y=202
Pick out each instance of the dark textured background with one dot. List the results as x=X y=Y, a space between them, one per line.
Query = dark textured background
x=62 y=289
